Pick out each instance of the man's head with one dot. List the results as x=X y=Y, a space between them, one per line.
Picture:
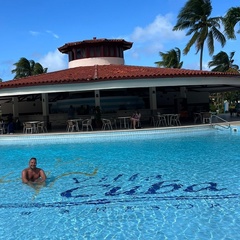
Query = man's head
x=33 y=163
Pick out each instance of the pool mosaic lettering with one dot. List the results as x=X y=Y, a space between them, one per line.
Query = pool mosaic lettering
x=159 y=187
x=111 y=191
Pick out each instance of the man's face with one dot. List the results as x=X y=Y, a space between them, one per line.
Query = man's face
x=32 y=163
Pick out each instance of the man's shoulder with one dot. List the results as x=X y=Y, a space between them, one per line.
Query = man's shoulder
x=25 y=170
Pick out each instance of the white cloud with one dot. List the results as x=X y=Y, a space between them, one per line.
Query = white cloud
x=53 y=34
x=159 y=30
x=34 y=33
x=156 y=36
x=54 y=61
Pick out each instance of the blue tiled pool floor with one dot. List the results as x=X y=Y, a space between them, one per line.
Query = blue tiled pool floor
x=179 y=184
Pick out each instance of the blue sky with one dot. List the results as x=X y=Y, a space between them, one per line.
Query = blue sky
x=35 y=29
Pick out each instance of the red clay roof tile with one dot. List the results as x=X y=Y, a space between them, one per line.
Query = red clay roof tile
x=107 y=72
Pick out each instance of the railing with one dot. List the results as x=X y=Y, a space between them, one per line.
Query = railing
x=224 y=124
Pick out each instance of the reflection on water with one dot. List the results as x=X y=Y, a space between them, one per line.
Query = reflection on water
x=141 y=188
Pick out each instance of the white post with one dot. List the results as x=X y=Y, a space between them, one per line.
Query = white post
x=15 y=107
x=45 y=109
x=183 y=92
x=153 y=98
x=97 y=98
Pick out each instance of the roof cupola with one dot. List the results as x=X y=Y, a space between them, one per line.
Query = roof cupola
x=96 y=52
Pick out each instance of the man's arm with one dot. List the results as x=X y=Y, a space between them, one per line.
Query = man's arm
x=42 y=175
x=24 y=176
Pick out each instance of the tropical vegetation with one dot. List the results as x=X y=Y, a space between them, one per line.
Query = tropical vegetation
x=26 y=68
x=230 y=20
x=171 y=59
x=195 y=16
x=222 y=62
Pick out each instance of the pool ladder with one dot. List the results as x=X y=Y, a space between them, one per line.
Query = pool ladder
x=224 y=124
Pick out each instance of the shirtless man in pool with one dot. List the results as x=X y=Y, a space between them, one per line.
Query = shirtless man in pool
x=32 y=174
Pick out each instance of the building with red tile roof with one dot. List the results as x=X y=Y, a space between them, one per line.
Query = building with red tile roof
x=97 y=72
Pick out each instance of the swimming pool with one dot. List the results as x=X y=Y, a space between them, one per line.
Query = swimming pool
x=172 y=184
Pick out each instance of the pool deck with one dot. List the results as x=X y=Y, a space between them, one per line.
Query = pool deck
x=232 y=120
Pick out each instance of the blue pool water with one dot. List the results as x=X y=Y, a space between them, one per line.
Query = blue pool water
x=173 y=184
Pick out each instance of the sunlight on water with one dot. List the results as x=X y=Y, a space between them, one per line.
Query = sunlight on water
x=180 y=185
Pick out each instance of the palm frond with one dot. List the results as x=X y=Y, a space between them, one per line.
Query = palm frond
x=195 y=17
x=231 y=18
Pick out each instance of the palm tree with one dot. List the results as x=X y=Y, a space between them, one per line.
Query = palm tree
x=171 y=59
x=232 y=97
x=195 y=16
x=222 y=62
x=25 y=68
x=230 y=20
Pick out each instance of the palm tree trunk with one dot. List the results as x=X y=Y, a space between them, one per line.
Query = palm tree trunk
x=201 y=55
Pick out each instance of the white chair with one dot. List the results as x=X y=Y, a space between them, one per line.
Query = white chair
x=197 y=117
x=70 y=126
x=41 y=128
x=106 y=123
x=175 y=120
x=161 y=120
x=28 y=128
x=87 y=123
x=114 y=123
